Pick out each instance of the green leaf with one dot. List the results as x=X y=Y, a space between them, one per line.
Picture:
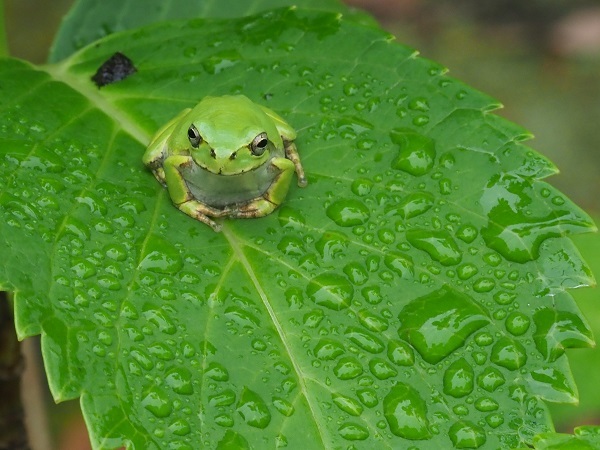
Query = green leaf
x=413 y=294
x=90 y=20
x=584 y=438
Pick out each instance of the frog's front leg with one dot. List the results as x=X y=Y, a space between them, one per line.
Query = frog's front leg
x=181 y=195
x=291 y=153
x=273 y=196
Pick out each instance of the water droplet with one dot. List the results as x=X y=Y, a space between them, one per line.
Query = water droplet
x=216 y=371
x=180 y=380
x=160 y=256
x=348 y=212
x=361 y=187
x=290 y=218
x=347 y=404
x=417 y=152
x=313 y=318
x=223 y=398
x=459 y=379
x=353 y=432
x=482 y=285
x=494 y=420
x=347 y=368
x=438 y=244
x=368 y=397
x=180 y=427
x=242 y=318
x=508 y=353
x=224 y=420
x=372 y=321
x=158 y=403
x=512 y=230
x=372 y=294
x=401 y=264
x=504 y=298
x=466 y=271
x=233 y=441
x=382 y=369
x=486 y=404
x=406 y=413
x=439 y=323
x=356 y=273
x=220 y=61
x=291 y=246
x=253 y=409
x=283 y=406
x=490 y=379
x=331 y=245
x=557 y=330
x=364 y=339
x=467 y=233
x=330 y=290
x=328 y=349
x=465 y=434
x=517 y=323
x=400 y=353
x=413 y=205
x=118 y=252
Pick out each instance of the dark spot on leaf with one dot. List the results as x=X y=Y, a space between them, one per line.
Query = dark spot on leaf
x=114 y=69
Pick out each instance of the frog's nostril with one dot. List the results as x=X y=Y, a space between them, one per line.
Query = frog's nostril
x=213 y=154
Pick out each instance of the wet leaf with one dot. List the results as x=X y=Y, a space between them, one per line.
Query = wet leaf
x=413 y=294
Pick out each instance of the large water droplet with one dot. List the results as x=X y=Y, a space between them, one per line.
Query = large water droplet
x=401 y=264
x=253 y=409
x=330 y=290
x=439 y=323
x=347 y=404
x=216 y=371
x=160 y=256
x=490 y=379
x=382 y=369
x=224 y=398
x=557 y=330
x=400 y=353
x=515 y=232
x=180 y=380
x=233 y=441
x=328 y=349
x=486 y=404
x=459 y=379
x=158 y=402
x=508 y=353
x=413 y=205
x=368 y=397
x=517 y=323
x=417 y=152
x=364 y=339
x=353 y=432
x=372 y=321
x=348 y=212
x=465 y=434
x=406 y=413
x=283 y=406
x=347 y=368
x=438 y=244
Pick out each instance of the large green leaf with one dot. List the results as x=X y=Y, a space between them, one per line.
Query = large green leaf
x=414 y=294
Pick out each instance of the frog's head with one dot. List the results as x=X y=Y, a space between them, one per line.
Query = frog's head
x=230 y=135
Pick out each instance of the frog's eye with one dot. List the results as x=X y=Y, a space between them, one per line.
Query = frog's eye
x=259 y=144
x=194 y=136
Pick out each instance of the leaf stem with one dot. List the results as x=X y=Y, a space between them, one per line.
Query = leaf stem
x=3 y=40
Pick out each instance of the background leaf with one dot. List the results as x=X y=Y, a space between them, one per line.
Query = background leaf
x=414 y=292
x=90 y=20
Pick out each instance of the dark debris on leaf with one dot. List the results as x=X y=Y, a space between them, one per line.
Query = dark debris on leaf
x=114 y=69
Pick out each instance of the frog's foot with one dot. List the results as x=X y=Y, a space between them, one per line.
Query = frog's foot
x=291 y=153
x=203 y=213
x=259 y=207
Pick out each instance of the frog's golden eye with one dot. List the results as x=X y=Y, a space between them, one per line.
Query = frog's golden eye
x=194 y=136
x=259 y=144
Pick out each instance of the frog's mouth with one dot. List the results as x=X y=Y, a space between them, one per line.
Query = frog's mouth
x=232 y=163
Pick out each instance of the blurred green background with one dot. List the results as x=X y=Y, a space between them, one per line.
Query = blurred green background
x=540 y=58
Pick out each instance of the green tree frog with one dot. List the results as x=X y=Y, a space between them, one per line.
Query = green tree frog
x=226 y=157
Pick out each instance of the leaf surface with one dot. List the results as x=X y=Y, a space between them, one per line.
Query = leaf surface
x=414 y=294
